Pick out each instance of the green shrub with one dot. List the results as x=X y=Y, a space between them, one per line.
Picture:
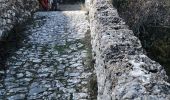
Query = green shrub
x=139 y=13
x=150 y=21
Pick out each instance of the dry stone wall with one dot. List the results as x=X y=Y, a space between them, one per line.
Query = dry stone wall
x=15 y=11
x=123 y=70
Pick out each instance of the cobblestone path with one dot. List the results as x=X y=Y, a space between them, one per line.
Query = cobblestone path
x=54 y=63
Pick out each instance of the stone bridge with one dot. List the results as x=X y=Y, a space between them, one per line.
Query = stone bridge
x=64 y=51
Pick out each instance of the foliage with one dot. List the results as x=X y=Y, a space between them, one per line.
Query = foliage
x=150 y=21
x=139 y=13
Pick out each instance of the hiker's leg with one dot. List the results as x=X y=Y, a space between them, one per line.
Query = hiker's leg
x=41 y=3
x=46 y=4
x=50 y=4
x=54 y=5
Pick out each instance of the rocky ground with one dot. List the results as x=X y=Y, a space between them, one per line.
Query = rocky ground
x=70 y=7
x=54 y=63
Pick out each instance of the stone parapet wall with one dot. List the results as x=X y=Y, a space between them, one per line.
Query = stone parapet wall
x=15 y=11
x=123 y=70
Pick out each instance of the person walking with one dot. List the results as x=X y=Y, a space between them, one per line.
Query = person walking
x=55 y=4
x=44 y=4
x=50 y=2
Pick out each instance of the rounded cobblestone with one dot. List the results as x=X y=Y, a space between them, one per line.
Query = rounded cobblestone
x=50 y=64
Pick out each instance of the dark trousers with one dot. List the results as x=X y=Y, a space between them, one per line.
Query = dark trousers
x=54 y=5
